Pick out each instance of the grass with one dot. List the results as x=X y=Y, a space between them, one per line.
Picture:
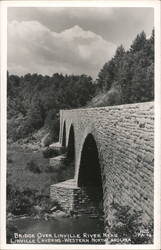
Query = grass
x=21 y=177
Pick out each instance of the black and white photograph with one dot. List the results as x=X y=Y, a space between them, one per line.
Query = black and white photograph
x=79 y=147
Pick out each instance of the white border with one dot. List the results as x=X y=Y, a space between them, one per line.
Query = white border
x=156 y=4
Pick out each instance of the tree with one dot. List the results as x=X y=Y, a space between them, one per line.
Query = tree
x=130 y=72
x=106 y=76
x=138 y=43
x=33 y=98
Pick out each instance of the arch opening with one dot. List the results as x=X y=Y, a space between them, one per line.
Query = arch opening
x=90 y=170
x=64 y=136
x=69 y=161
x=71 y=146
x=89 y=179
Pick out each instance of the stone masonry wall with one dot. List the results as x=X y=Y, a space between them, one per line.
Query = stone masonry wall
x=72 y=198
x=64 y=196
x=125 y=140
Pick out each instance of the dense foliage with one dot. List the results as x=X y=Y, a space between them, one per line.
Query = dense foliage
x=34 y=100
x=129 y=76
x=128 y=225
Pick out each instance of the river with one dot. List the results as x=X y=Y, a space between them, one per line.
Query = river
x=75 y=226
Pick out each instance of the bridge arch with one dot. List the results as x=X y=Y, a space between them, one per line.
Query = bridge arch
x=64 y=135
x=89 y=169
x=89 y=176
x=71 y=144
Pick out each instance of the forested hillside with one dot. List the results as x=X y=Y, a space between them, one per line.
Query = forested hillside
x=34 y=100
x=129 y=76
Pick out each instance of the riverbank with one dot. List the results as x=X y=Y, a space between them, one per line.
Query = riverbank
x=29 y=177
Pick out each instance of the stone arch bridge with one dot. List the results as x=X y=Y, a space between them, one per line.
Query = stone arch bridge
x=113 y=152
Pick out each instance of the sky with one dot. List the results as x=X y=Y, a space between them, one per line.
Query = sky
x=71 y=40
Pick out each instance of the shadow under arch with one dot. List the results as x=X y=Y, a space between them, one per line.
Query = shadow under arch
x=69 y=160
x=89 y=177
x=64 y=135
x=89 y=170
x=71 y=145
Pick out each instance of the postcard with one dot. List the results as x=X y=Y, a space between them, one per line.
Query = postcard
x=80 y=125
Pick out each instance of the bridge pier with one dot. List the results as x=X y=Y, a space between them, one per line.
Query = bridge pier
x=58 y=148
x=84 y=200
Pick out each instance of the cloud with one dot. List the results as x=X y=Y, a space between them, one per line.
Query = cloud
x=33 y=47
x=117 y=25
x=71 y=40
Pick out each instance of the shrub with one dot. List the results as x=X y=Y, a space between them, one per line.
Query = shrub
x=20 y=205
x=127 y=223
x=33 y=167
x=20 y=202
x=49 y=169
x=54 y=129
x=46 y=140
x=11 y=229
x=49 y=152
